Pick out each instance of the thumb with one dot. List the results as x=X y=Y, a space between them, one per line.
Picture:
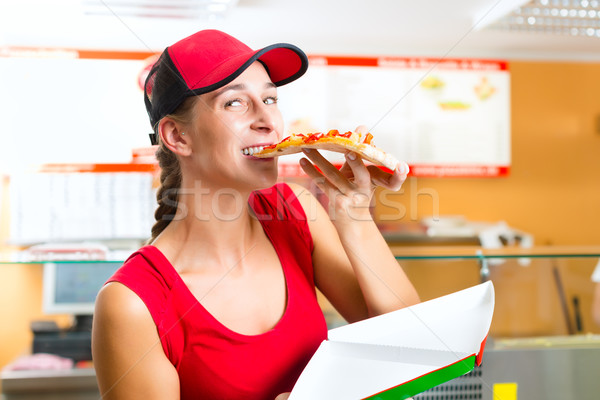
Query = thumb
x=361 y=129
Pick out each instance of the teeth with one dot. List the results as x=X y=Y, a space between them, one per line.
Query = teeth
x=248 y=151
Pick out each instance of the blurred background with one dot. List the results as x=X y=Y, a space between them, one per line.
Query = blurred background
x=495 y=105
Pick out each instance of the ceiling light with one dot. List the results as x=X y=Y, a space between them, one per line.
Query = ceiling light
x=567 y=17
x=170 y=9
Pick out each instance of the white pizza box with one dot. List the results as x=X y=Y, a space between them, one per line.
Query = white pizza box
x=401 y=353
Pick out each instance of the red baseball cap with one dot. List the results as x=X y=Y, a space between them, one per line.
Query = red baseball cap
x=208 y=60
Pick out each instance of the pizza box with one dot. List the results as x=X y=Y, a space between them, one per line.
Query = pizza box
x=402 y=353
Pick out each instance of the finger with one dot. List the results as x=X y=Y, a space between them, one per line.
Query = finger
x=332 y=173
x=321 y=181
x=346 y=170
x=361 y=175
x=318 y=178
x=361 y=129
x=396 y=181
x=378 y=176
x=385 y=179
x=321 y=162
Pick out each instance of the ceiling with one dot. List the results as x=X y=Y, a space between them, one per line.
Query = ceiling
x=376 y=27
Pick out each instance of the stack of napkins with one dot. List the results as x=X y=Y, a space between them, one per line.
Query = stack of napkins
x=402 y=353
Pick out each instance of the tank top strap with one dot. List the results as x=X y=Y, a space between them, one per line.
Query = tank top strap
x=278 y=202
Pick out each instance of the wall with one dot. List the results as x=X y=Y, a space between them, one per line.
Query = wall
x=20 y=295
x=553 y=191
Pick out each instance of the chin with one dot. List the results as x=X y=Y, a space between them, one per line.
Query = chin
x=258 y=176
x=267 y=181
x=267 y=177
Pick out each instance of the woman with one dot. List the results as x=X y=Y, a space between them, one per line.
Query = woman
x=222 y=304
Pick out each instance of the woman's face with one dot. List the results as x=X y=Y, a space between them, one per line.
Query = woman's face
x=241 y=115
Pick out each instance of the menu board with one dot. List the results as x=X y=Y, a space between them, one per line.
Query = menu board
x=447 y=117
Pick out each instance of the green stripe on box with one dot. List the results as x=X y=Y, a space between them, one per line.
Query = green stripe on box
x=427 y=381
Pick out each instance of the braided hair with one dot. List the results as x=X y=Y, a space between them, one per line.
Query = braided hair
x=167 y=195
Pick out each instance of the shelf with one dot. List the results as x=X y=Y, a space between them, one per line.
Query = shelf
x=20 y=257
x=400 y=252
x=477 y=253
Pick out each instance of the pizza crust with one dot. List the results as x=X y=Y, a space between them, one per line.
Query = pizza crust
x=338 y=144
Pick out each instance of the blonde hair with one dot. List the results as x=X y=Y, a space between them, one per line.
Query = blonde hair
x=167 y=195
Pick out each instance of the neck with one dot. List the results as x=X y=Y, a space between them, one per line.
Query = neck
x=216 y=224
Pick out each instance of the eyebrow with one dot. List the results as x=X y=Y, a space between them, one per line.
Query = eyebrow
x=241 y=86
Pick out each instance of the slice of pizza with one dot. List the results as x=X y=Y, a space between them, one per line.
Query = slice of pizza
x=332 y=141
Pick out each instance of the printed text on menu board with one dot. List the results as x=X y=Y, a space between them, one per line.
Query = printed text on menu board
x=447 y=117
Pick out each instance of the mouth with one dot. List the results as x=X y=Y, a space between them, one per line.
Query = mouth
x=251 y=150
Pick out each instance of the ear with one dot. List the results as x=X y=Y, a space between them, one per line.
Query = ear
x=171 y=135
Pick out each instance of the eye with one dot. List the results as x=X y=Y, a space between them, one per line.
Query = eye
x=270 y=100
x=235 y=103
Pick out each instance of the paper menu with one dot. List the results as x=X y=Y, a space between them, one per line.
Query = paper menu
x=402 y=353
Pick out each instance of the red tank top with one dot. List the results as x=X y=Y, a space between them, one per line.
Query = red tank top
x=213 y=361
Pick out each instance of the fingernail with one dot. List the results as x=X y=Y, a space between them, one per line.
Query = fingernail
x=403 y=168
x=351 y=156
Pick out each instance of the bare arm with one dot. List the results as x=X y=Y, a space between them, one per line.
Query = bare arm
x=128 y=357
x=334 y=275
x=354 y=267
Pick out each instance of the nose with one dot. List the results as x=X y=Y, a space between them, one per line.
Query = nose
x=266 y=117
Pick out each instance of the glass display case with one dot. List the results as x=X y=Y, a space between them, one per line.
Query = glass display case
x=540 y=291
x=544 y=340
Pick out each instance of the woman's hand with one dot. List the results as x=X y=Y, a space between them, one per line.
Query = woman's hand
x=283 y=396
x=354 y=266
x=351 y=188
x=379 y=177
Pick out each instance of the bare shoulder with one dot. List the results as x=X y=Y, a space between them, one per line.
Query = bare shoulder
x=312 y=208
x=127 y=352
x=302 y=193
x=119 y=309
x=320 y=225
x=115 y=299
